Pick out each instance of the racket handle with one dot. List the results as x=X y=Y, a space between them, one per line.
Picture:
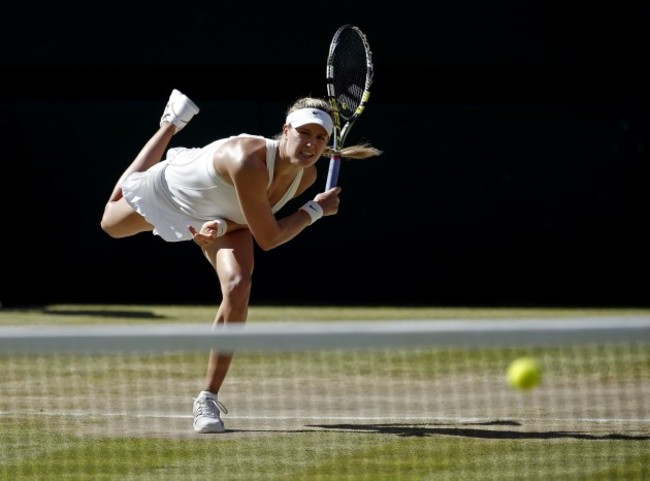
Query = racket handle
x=333 y=173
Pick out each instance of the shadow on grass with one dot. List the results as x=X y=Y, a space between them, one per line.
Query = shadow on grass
x=103 y=313
x=421 y=430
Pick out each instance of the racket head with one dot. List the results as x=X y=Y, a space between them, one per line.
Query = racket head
x=349 y=76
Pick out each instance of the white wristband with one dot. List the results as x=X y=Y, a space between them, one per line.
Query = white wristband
x=314 y=210
x=222 y=226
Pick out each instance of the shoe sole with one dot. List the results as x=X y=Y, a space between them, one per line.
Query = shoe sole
x=210 y=429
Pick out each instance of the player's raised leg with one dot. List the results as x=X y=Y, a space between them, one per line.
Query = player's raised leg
x=119 y=219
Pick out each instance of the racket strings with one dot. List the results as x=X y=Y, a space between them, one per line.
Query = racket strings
x=350 y=69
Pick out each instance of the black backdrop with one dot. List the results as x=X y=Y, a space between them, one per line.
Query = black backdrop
x=515 y=135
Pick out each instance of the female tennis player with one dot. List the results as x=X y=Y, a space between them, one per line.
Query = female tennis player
x=224 y=197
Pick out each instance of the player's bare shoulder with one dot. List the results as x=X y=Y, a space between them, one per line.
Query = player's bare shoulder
x=240 y=154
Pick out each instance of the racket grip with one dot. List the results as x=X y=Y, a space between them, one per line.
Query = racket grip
x=333 y=173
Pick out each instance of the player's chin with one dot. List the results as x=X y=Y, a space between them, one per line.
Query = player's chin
x=306 y=160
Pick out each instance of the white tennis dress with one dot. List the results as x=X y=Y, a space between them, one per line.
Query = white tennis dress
x=185 y=189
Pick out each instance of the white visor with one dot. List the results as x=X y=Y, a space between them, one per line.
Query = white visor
x=310 y=116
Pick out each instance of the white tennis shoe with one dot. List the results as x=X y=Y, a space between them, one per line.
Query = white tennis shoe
x=179 y=110
x=207 y=413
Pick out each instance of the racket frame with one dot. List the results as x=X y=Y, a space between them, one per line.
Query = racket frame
x=340 y=133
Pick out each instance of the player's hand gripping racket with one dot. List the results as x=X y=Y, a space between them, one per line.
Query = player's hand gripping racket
x=349 y=76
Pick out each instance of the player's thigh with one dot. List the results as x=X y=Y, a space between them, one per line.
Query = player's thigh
x=232 y=255
x=121 y=219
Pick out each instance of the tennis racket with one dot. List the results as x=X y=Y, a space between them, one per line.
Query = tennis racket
x=349 y=77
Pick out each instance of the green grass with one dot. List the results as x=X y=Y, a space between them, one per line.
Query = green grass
x=47 y=454
x=315 y=456
x=72 y=417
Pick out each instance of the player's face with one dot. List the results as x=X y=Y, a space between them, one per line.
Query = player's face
x=307 y=142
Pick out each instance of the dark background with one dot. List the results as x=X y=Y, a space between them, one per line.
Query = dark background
x=515 y=136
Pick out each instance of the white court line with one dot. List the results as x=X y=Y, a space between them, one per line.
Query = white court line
x=335 y=418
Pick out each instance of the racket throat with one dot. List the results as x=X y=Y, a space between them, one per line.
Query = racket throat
x=333 y=172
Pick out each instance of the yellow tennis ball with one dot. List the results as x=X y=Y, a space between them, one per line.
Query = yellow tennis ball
x=524 y=373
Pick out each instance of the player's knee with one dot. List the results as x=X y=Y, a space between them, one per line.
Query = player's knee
x=114 y=233
x=114 y=230
x=107 y=227
x=237 y=289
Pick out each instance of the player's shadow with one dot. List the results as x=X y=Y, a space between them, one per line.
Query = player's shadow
x=424 y=430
